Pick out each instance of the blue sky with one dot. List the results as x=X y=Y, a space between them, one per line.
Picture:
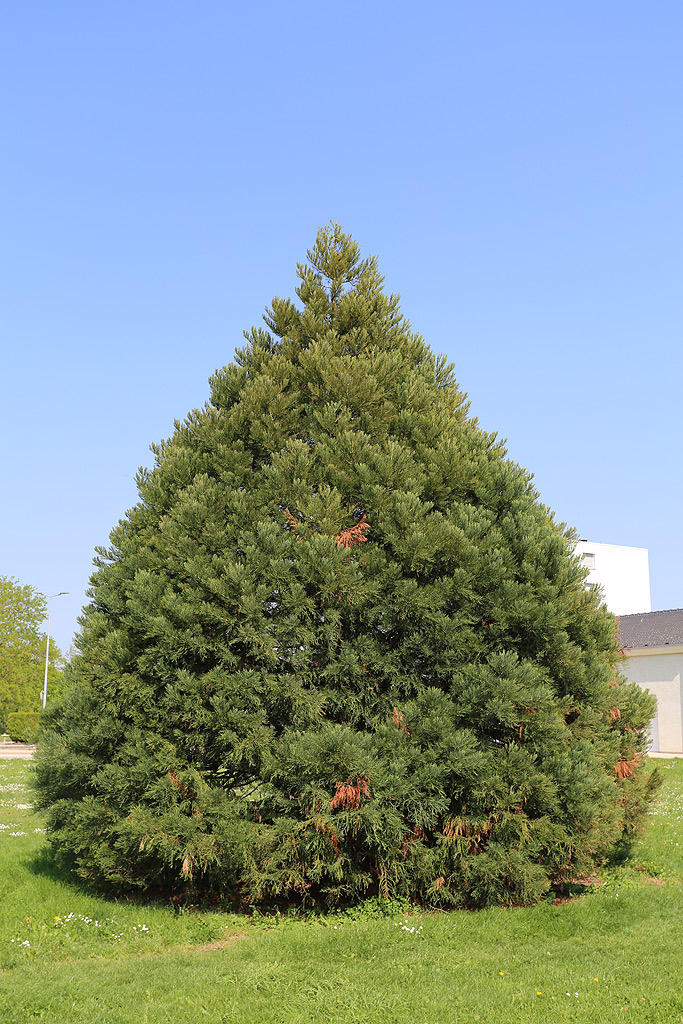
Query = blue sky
x=517 y=168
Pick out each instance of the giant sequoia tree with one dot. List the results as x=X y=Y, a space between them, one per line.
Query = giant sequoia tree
x=339 y=647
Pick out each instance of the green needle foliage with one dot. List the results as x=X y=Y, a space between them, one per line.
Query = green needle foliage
x=339 y=647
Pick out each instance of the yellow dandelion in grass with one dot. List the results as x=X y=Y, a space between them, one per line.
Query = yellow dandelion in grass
x=539 y=993
x=501 y=973
x=595 y=979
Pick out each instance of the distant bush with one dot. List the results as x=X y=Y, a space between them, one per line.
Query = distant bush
x=23 y=726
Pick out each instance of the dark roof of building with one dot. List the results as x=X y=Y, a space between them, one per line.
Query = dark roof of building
x=652 y=629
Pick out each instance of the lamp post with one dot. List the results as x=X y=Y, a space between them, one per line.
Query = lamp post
x=47 y=645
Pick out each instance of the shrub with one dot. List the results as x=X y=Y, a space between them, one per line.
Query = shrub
x=339 y=648
x=22 y=726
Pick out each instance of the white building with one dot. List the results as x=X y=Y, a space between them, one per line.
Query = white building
x=652 y=641
x=622 y=573
x=653 y=644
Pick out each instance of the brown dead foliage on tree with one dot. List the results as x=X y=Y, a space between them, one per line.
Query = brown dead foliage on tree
x=400 y=721
x=184 y=790
x=476 y=834
x=354 y=535
x=348 y=795
x=293 y=522
x=345 y=538
x=626 y=769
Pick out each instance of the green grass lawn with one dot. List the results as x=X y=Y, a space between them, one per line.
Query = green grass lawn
x=611 y=955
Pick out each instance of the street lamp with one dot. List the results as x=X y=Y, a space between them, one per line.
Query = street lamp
x=47 y=646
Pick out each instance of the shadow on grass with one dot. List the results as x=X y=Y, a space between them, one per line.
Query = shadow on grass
x=48 y=863
x=53 y=866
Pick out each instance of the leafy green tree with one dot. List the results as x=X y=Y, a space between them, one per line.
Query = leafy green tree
x=22 y=649
x=339 y=646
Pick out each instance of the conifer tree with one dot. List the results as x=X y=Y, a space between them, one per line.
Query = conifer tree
x=339 y=647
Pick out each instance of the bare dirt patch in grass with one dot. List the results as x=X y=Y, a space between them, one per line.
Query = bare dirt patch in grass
x=188 y=948
x=577 y=888
x=224 y=942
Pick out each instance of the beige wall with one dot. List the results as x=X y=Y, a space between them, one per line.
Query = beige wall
x=660 y=670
